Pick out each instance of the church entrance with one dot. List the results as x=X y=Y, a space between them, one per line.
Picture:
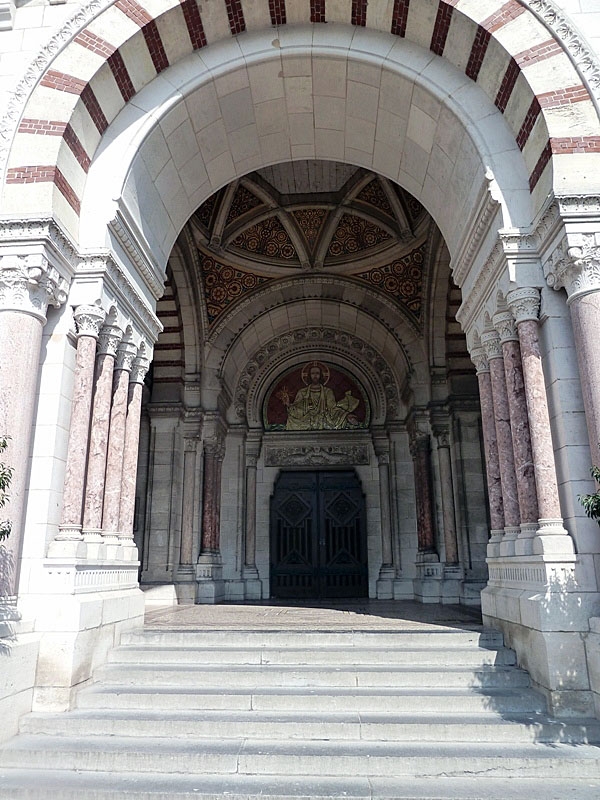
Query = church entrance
x=318 y=536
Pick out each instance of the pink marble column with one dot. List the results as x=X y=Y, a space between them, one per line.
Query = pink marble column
x=447 y=493
x=211 y=498
x=88 y=320
x=116 y=443
x=250 y=538
x=387 y=565
x=519 y=425
x=186 y=552
x=130 y=450
x=28 y=284
x=525 y=305
x=512 y=520
x=422 y=462
x=108 y=342
x=490 y=446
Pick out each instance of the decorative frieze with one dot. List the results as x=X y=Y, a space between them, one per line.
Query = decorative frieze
x=309 y=455
x=29 y=283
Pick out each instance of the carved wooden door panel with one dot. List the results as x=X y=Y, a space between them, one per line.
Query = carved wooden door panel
x=318 y=536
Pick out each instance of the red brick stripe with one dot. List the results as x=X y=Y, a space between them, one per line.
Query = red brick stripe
x=121 y=76
x=46 y=127
x=191 y=15
x=134 y=11
x=75 y=146
x=538 y=53
x=543 y=160
x=90 y=101
x=359 y=12
x=45 y=174
x=155 y=46
x=507 y=85
x=235 y=15
x=478 y=51
x=277 y=11
x=441 y=28
x=498 y=19
x=317 y=11
x=63 y=82
x=399 y=17
x=530 y=119
x=575 y=144
x=95 y=43
x=562 y=97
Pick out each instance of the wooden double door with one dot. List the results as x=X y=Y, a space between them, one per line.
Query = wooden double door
x=318 y=536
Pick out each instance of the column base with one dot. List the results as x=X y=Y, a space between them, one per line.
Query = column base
x=252 y=583
x=507 y=545
x=184 y=581
x=384 y=587
x=524 y=542
x=426 y=585
x=210 y=587
x=552 y=539
x=493 y=546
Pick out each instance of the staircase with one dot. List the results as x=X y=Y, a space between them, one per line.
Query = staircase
x=300 y=714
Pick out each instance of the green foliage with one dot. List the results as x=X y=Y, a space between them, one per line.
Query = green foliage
x=6 y=474
x=591 y=502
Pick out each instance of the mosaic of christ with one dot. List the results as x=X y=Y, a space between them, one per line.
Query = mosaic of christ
x=316 y=397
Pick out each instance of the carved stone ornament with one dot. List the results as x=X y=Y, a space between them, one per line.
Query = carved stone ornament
x=490 y=341
x=575 y=265
x=126 y=355
x=310 y=455
x=109 y=340
x=442 y=435
x=479 y=358
x=524 y=303
x=30 y=284
x=215 y=448
x=139 y=369
x=504 y=323
x=88 y=320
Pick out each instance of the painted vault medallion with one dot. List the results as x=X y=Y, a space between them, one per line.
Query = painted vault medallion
x=316 y=397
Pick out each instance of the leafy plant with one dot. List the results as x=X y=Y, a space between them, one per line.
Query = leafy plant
x=6 y=474
x=591 y=502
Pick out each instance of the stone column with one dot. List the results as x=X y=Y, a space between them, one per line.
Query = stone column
x=130 y=450
x=252 y=583
x=512 y=520
x=108 y=342
x=552 y=537
x=186 y=551
x=422 y=460
x=519 y=426
x=387 y=573
x=490 y=447
x=88 y=320
x=28 y=284
x=447 y=493
x=209 y=569
x=116 y=443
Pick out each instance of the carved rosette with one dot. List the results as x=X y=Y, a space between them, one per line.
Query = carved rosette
x=490 y=341
x=30 y=284
x=479 y=359
x=88 y=320
x=575 y=264
x=504 y=323
x=126 y=355
x=524 y=304
x=109 y=340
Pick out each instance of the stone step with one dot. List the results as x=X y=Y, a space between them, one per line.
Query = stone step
x=441 y=639
x=300 y=758
x=468 y=701
x=197 y=675
x=382 y=726
x=38 y=784
x=455 y=656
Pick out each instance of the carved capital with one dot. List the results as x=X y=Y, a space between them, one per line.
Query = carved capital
x=479 y=358
x=524 y=303
x=442 y=435
x=126 y=355
x=214 y=448
x=30 y=284
x=419 y=445
x=490 y=341
x=504 y=323
x=139 y=369
x=88 y=320
x=109 y=340
x=575 y=265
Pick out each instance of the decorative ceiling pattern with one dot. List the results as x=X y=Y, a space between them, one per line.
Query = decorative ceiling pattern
x=205 y=213
x=243 y=201
x=267 y=238
x=310 y=221
x=373 y=195
x=403 y=280
x=354 y=234
x=224 y=285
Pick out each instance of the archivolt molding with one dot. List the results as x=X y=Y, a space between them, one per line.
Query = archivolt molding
x=149 y=270
x=251 y=384
x=473 y=305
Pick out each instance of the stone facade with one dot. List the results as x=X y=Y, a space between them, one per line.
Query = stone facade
x=195 y=204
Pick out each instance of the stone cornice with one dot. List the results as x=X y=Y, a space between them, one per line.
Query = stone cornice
x=473 y=303
x=27 y=233
x=127 y=233
x=474 y=236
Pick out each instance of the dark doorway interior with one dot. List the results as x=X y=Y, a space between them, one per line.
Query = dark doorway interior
x=318 y=536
